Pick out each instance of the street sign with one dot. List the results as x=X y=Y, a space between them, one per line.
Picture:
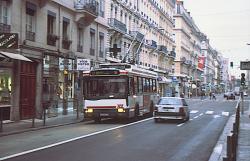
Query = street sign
x=8 y=41
x=83 y=64
x=245 y=65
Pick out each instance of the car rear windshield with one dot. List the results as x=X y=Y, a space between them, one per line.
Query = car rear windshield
x=172 y=101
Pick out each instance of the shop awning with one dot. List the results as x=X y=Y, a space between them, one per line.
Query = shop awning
x=14 y=56
x=162 y=79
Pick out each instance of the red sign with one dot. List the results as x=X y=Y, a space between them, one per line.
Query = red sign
x=201 y=62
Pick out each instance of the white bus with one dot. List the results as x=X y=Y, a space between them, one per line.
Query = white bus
x=119 y=91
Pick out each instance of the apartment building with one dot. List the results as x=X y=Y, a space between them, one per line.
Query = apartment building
x=52 y=35
x=188 y=49
x=141 y=32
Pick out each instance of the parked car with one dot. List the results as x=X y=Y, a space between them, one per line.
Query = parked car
x=171 y=108
x=226 y=94
x=230 y=95
x=245 y=94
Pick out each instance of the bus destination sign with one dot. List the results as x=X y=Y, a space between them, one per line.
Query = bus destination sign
x=245 y=65
x=105 y=72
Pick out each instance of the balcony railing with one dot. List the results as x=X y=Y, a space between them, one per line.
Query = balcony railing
x=139 y=36
x=88 y=5
x=30 y=35
x=51 y=39
x=173 y=54
x=79 y=48
x=117 y=25
x=66 y=43
x=163 y=48
x=5 y=28
x=151 y=43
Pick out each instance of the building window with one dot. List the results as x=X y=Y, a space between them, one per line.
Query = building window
x=101 y=4
x=4 y=17
x=92 y=41
x=30 y=21
x=101 y=45
x=66 y=41
x=51 y=37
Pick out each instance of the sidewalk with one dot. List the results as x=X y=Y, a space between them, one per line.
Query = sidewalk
x=243 y=151
x=54 y=118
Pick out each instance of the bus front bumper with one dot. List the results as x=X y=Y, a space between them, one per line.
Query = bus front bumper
x=107 y=113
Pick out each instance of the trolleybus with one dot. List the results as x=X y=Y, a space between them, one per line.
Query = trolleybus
x=119 y=91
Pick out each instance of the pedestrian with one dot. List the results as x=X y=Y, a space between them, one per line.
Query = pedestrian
x=210 y=95
x=214 y=97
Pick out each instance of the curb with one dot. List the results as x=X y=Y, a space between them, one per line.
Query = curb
x=220 y=148
x=40 y=128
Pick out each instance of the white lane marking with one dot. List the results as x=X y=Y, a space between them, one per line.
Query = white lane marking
x=73 y=139
x=191 y=119
x=209 y=112
x=180 y=124
x=201 y=114
x=216 y=116
x=196 y=117
x=225 y=113
x=218 y=149
x=193 y=111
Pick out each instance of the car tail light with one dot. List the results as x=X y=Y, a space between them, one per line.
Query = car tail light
x=181 y=110
x=156 y=109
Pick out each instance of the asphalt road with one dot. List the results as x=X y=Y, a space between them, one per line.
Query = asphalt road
x=117 y=141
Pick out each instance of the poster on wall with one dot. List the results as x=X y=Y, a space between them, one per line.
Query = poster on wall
x=201 y=62
x=83 y=64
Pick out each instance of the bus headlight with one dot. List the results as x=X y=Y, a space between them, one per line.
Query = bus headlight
x=89 y=110
x=120 y=110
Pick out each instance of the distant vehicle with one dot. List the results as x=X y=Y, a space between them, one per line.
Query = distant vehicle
x=237 y=91
x=226 y=94
x=171 y=108
x=230 y=95
x=245 y=94
x=119 y=90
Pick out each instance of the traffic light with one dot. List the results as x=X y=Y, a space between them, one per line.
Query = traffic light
x=242 y=80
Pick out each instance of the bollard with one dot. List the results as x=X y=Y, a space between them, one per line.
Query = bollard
x=230 y=147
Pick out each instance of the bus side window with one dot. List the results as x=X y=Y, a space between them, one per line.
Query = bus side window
x=135 y=85
x=131 y=86
x=154 y=85
x=140 y=85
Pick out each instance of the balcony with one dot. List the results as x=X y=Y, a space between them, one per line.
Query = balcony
x=51 y=39
x=139 y=36
x=5 y=28
x=79 y=48
x=151 y=43
x=173 y=54
x=118 y=25
x=66 y=43
x=86 y=11
x=30 y=35
x=163 y=49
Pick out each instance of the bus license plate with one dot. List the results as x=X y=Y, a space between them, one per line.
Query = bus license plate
x=104 y=114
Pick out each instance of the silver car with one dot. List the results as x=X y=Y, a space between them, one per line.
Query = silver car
x=171 y=108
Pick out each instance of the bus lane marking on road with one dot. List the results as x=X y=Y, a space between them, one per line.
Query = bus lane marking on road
x=225 y=113
x=196 y=117
x=180 y=124
x=73 y=139
x=209 y=112
x=194 y=111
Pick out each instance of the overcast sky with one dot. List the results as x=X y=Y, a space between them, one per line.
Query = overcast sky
x=226 y=23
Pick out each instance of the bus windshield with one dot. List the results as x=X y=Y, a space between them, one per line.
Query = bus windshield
x=105 y=87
